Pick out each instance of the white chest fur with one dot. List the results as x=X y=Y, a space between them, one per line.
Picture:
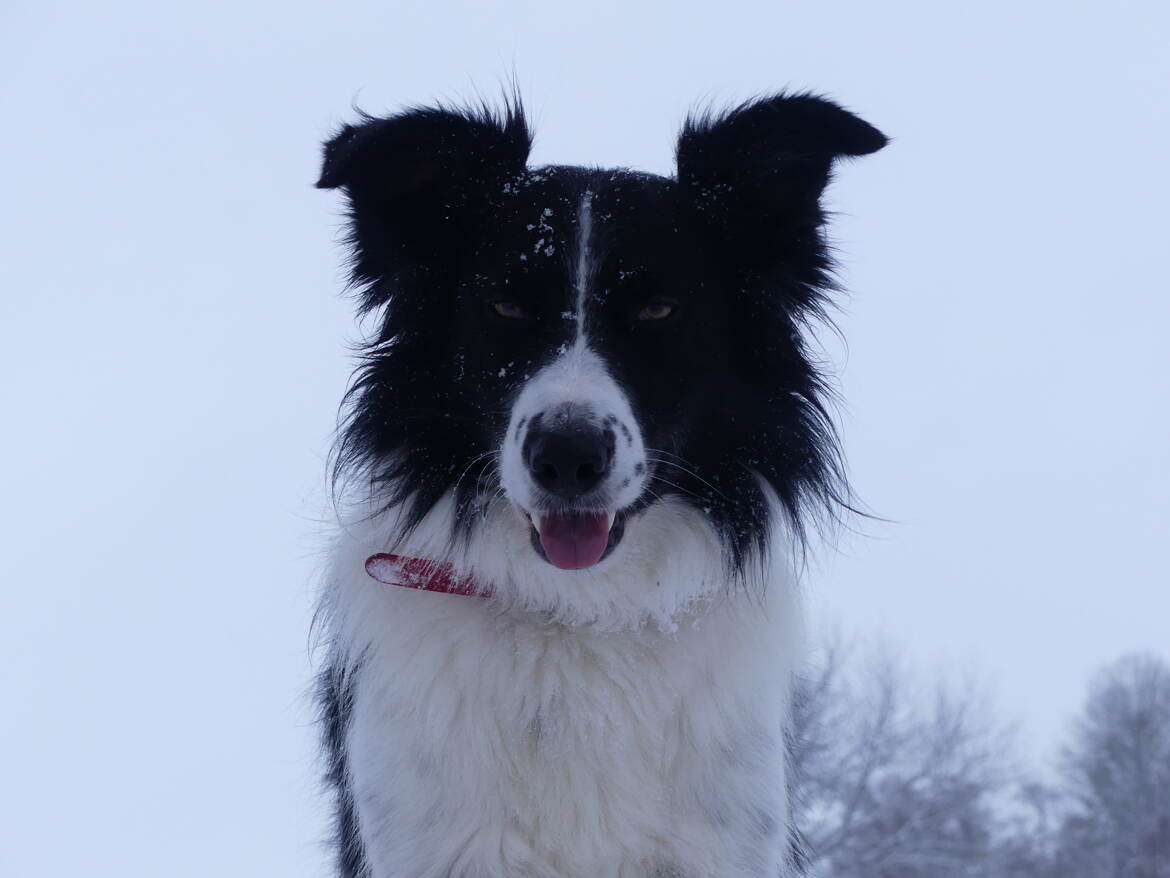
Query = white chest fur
x=482 y=745
x=487 y=742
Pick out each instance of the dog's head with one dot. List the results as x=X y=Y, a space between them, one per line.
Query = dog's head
x=584 y=354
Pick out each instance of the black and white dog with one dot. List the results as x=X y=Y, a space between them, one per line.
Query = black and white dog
x=587 y=437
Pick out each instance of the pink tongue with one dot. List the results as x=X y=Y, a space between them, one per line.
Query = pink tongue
x=574 y=541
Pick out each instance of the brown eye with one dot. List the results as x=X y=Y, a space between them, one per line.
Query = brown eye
x=656 y=311
x=509 y=310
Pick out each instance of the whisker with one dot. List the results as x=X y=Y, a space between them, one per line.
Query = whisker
x=472 y=463
x=689 y=471
x=488 y=492
x=677 y=487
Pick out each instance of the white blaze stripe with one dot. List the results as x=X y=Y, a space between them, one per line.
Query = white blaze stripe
x=584 y=233
x=576 y=378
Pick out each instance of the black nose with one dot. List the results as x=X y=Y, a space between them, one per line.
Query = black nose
x=569 y=461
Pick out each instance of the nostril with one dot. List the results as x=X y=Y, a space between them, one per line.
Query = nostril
x=587 y=474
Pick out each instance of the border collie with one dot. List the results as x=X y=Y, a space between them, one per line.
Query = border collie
x=577 y=461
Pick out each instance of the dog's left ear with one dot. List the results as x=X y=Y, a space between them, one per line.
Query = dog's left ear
x=756 y=174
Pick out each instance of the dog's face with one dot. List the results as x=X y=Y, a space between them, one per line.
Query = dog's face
x=579 y=346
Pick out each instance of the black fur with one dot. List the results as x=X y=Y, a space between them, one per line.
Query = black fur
x=334 y=704
x=445 y=218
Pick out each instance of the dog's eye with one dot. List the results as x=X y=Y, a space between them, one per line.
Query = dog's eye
x=509 y=310
x=658 y=310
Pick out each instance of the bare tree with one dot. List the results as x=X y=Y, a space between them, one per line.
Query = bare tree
x=1116 y=772
x=890 y=783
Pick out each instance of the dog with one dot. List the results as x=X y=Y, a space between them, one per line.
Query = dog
x=575 y=470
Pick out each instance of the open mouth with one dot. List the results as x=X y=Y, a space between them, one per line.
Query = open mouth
x=576 y=540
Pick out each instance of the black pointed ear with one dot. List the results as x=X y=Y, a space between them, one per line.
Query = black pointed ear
x=418 y=182
x=757 y=172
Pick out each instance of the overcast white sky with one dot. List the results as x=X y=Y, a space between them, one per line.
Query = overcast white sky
x=173 y=349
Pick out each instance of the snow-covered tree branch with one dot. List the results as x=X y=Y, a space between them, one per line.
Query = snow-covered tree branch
x=900 y=780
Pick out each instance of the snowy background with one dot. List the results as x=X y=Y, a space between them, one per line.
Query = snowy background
x=173 y=349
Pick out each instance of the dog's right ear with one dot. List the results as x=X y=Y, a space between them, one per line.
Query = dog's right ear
x=418 y=183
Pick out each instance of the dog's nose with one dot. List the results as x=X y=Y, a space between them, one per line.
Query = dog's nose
x=569 y=461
